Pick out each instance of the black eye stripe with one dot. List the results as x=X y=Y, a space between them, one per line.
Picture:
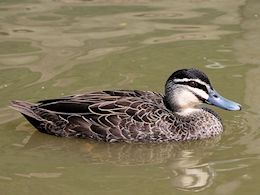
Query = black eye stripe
x=200 y=98
x=198 y=85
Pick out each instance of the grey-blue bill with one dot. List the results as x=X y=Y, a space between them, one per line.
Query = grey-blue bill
x=217 y=100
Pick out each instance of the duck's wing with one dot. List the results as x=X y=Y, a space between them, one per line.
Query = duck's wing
x=109 y=95
x=105 y=115
x=79 y=104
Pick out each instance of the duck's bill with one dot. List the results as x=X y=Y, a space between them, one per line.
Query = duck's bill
x=221 y=102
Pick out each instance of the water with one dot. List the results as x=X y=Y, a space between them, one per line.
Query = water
x=55 y=48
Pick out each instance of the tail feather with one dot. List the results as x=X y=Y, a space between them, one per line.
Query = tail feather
x=25 y=108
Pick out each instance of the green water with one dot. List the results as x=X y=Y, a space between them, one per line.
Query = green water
x=55 y=48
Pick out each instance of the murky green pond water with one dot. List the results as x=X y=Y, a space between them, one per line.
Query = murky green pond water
x=55 y=48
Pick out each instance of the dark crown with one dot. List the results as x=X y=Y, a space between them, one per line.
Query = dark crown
x=191 y=73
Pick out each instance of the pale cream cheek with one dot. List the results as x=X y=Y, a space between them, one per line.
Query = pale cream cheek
x=186 y=99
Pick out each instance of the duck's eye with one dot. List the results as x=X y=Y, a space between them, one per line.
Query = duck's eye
x=193 y=84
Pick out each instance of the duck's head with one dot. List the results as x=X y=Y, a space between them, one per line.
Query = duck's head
x=187 y=88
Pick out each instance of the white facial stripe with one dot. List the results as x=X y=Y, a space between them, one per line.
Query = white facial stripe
x=199 y=92
x=196 y=80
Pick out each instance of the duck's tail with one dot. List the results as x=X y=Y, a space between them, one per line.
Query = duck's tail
x=25 y=108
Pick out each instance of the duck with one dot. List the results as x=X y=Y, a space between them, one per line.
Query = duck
x=134 y=115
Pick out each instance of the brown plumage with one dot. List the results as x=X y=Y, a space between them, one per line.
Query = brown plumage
x=122 y=115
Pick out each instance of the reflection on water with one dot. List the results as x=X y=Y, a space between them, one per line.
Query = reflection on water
x=54 y=48
x=183 y=162
x=190 y=175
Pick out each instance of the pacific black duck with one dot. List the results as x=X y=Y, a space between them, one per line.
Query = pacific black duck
x=133 y=115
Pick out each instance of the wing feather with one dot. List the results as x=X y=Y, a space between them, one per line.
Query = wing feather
x=104 y=115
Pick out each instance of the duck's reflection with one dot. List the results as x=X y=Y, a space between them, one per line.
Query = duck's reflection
x=190 y=174
x=183 y=162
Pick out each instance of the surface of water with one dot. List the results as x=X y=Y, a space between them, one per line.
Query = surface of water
x=55 y=48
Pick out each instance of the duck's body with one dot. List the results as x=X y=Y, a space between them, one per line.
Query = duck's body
x=129 y=116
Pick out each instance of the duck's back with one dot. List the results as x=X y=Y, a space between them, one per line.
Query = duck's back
x=106 y=115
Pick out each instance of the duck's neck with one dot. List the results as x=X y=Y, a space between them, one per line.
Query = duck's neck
x=179 y=110
x=181 y=101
